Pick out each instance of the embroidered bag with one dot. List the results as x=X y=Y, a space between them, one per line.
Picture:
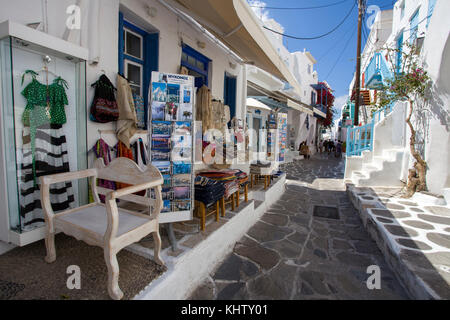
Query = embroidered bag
x=104 y=106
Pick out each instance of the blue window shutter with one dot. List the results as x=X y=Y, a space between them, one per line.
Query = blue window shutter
x=230 y=94
x=431 y=5
x=121 y=43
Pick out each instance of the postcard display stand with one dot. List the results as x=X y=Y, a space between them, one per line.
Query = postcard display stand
x=282 y=131
x=171 y=146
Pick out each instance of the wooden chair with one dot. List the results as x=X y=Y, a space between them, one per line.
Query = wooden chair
x=105 y=225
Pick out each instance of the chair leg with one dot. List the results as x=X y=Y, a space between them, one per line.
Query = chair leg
x=50 y=245
x=157 y=249
x=217 y=211
x=222 y=204
x=246 y=192
x=202 y=216
x=113 y=274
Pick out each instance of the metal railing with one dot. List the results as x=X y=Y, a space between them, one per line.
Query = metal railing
x=377 y=72
x=360 y=139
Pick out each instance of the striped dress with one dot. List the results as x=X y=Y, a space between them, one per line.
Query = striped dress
x=44 y=151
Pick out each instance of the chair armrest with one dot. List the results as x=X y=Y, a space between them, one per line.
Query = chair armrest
x=133 y=189
x=67 y=176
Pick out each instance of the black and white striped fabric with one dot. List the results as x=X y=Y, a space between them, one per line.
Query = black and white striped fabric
x=50 y=157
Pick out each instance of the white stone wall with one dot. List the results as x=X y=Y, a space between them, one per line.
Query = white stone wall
x=171 y=29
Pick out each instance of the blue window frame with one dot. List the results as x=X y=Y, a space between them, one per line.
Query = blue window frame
x=138 y=57
x=229 y=93
x=197 y=65
x=431 y=5
x=414 y=26
x=398 y=62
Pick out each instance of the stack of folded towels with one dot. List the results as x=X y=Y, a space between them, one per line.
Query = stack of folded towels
x=228 y=178
x=208 y=190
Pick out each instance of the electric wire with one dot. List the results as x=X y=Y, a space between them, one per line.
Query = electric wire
x=303 y=8
x=340 y=56
x=316 y=37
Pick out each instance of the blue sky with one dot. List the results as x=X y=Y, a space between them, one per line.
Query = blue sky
x=309 y=23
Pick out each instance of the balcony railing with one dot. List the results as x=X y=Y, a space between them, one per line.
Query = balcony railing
x=360 y=139
x=377 y=72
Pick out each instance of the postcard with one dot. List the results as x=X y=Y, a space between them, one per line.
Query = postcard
x=181 y=154
x=162 y=166
x=181 y=180
x=167 y=181
x=187 y=94
x=181 y=193
x=161 y=127
x=158 y=109
x=185 y=112
x=181 y=141
x=180 y=167
x=161 y=154
x=167 y=206
x=160 y=142
x=182 y=128
x=159 y=92
x=181 y=206
x=171 y=111
x=173 y=93
x=166 y=194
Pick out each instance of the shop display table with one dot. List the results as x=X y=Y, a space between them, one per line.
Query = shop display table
x=261 y=170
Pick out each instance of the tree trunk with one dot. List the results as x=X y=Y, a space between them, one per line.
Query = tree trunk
x=417 y=176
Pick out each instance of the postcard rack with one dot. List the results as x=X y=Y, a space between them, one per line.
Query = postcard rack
x=171 y=146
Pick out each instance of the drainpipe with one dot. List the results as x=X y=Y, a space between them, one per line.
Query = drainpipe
x=44 y=5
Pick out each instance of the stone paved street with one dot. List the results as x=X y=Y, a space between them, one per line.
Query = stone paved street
x=297 y=251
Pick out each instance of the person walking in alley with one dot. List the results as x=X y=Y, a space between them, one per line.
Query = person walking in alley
x=304 y=150
x=338 y=152
x=330 y=146
x=321 y=146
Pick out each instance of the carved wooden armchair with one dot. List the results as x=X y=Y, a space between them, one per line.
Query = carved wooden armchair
x=106 y=225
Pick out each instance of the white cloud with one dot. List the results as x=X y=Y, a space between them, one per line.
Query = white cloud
x=339 y=102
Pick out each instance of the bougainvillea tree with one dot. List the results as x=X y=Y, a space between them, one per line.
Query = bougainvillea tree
x=409 y=84
x=326 y=98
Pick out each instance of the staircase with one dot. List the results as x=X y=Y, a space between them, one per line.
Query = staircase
x=378 y=171
x=379 y=161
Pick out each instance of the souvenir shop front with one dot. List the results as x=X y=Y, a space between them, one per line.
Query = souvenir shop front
x=134 y=87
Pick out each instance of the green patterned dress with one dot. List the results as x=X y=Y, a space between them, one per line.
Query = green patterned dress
x=44 y=147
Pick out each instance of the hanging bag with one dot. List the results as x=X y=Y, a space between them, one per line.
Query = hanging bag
x=104 y=106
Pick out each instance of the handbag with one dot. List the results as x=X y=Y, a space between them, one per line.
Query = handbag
x=104 y=106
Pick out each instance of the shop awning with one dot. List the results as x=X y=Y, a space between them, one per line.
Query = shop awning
x=272 y=103
x=234 y=23
x=252 y=102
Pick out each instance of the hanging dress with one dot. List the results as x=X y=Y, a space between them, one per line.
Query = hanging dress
x=44 y=149
x=102 y=150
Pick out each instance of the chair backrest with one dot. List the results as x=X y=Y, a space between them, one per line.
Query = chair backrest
x=125 y=170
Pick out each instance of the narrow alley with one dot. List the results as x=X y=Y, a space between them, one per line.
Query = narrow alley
x=303 y=248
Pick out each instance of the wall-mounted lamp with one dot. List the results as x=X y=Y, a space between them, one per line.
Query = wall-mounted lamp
x=233 y=65
x=201 y=44
x=151 y=11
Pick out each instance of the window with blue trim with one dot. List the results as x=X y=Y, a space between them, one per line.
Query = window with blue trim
x=431 y=5
x=138 y=57
x=398 y=62
x=196 y=64
x=414 y=26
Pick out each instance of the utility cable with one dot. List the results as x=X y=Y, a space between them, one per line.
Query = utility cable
x=303 y=8
x=317 y=37
x=340 y=56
